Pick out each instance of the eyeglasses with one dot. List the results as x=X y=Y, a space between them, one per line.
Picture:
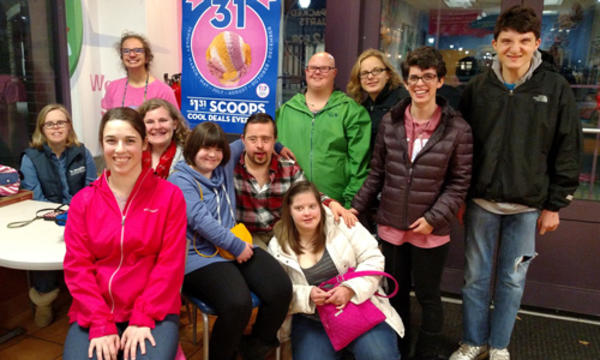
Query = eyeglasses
x=322 y=69
x=52 y=124
x=374 y=72
x=126 y=51
x=427 y=78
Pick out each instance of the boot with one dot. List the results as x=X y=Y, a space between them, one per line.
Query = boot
x=428 y=346
x=43 y=306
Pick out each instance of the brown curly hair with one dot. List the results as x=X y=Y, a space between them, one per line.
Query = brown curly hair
x=181 y=131
x=355 y=90
x=147 y=50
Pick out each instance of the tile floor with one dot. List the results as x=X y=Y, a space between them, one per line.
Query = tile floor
x=47 y=343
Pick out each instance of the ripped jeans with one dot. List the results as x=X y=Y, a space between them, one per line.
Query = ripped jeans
x=515 y=236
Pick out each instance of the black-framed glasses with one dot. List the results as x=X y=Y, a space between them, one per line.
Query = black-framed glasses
x=126 y=51
x=322 y=69
x=55 y=124
x=375 y=72
x=427 y=78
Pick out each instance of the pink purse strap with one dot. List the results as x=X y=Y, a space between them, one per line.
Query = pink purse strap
x=351 y=274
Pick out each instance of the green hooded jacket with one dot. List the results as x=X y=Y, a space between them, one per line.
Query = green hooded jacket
x=331 y=146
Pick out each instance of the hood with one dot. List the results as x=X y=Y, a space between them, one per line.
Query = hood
x=536 y=61
x=337 y=97
x=216 y=181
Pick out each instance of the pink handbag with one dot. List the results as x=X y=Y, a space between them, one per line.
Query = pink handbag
x=343 y=326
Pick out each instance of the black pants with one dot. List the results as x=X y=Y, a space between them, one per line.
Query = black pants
x=409 y=263
x=226 y=287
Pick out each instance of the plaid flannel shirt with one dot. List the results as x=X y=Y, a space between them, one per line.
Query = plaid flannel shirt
x=259 y=211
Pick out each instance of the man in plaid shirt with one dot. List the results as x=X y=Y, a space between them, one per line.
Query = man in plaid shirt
x=262 y=177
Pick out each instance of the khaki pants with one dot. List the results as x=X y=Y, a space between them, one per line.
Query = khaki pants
x=261 y=239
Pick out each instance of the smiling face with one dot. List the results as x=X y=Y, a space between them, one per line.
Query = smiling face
x=321 y=80
x=160 y=127
x=515 y=51
x=373 y=84
x=306 y=212
x=207 y=159
x=423 y=91
x=57 y=134
x=259 y=141
x=123 y=147
x=133 y=60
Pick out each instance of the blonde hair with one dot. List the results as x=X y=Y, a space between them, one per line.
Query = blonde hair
x=181 y=131
x=354 y=88
x=39 y=139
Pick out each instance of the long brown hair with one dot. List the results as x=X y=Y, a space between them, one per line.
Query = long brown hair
x=354 y=88
x=285 y=230
x=181 y=131
x=39 y=139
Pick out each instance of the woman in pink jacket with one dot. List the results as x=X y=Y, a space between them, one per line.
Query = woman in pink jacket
x=124 y=264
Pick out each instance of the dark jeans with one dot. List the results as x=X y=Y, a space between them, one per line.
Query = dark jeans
x=226 y=287
x=423 y=266
x=165 y=333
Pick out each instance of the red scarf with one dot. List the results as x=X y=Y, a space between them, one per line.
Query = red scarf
x=164 y=163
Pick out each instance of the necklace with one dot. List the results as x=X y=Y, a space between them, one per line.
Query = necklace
x=127 y=85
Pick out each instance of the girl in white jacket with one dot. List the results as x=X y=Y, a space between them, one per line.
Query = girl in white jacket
x=312 y=248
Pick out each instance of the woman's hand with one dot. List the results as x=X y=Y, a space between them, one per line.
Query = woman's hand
x=106 y=347
x=246 y=254
x=134 y=336
x=338 y=210
x=318 y=295
x=421 y=226
x=339 y=296
x=286 y=153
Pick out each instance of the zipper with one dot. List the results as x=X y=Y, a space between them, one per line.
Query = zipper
x=408 y=185
x=312 y=131
x=121 y=241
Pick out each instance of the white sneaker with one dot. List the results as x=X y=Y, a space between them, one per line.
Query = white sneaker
x=499 y=354
x=470 y=352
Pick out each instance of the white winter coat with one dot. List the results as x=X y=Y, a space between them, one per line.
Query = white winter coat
x=348 y=247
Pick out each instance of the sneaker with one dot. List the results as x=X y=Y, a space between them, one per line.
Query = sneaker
x=499 y=354
x=469 y=352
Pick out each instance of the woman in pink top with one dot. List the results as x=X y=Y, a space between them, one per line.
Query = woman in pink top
x=139 y=85
x=421 y=164
x=125 y=258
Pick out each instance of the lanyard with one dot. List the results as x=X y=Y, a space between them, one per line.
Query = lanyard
x=127 y=85
x=219 y=203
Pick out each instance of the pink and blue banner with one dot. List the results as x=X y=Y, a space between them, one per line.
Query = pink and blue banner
x=229 y=66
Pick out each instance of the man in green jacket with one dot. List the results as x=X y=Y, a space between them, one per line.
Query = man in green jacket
x=328 y=132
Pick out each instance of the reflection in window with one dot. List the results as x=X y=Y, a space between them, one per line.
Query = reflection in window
x=463 y=32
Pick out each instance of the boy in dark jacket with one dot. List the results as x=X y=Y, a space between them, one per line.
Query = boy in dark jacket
x=527 y=142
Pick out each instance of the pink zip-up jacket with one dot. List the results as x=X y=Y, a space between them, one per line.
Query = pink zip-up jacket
x=125 y=266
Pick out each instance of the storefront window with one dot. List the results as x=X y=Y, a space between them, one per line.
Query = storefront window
x=304 y=35
x=27 y=72
x=463 y=31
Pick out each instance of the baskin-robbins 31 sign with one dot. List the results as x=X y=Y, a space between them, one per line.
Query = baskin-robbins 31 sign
x=229 y=67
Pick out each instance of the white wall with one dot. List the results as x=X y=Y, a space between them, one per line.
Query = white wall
x=103 y=23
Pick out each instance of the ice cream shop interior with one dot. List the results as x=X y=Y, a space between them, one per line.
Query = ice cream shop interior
x=63 y=51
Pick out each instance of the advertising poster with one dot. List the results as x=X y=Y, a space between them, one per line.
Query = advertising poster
x=229 y=60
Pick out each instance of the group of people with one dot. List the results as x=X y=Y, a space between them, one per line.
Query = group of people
x=155 y=223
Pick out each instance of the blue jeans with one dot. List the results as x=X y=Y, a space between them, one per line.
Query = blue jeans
x=515 y=236
x=165 y=333
x=310 y=341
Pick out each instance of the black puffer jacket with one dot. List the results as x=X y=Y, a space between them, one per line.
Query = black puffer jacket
x=433 y=186
x=383 y=103
x=527 y=140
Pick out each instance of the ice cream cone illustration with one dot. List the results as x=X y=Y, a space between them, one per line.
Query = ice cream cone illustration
x=228 y=57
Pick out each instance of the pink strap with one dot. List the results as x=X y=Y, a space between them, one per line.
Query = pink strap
x=351 y=274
